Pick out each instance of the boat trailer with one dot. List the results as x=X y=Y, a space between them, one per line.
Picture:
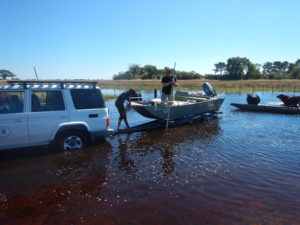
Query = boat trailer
x=163 y=124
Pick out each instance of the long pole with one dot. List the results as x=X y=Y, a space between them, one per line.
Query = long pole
x=35 y=73
x=168 y=117
x=167 y=124
x=173 y=80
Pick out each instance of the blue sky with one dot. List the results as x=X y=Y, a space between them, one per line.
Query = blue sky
x=95 y=39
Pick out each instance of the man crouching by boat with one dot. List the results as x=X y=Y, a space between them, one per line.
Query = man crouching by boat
x=167 y=82
x=125 y=96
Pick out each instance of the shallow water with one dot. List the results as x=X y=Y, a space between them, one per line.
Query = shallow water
x=238 y=168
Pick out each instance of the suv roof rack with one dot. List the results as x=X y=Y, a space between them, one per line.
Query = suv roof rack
x=24 y=83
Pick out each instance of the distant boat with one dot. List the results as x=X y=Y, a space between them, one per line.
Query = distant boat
x=267 y=108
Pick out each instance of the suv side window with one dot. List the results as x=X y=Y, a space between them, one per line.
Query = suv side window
x=47 y=101
x=87 y=98
x=11 y=102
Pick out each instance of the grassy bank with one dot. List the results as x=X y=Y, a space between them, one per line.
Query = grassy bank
x=109 y=97
x=2 y=82
x=228 y=86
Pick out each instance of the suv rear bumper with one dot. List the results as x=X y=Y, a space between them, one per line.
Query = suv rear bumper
x=99 y=134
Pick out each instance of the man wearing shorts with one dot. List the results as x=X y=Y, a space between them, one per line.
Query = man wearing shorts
x=125 y=96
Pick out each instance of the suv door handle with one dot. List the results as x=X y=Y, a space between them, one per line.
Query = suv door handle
x=17 y=120
x=93 y=115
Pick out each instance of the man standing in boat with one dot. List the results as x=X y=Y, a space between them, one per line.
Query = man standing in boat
x=125 y=96
x=167 y=82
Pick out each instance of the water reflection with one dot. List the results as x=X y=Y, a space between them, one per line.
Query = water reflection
x=161 y=146
x=125 y=162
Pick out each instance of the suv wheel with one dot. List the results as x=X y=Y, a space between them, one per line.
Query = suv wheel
x=71 y=140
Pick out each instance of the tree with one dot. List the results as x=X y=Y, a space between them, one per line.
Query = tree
x=296 y=73
x=150 y=72
x=291 y=67
x=258 y=66
x=297 y=63
x=267 y=67
x=134 y=69
x=220 y=67
x=280 y=67
x=122 y=76
x=276 y=66
x=6 y=73
x=284 y=67
x=187 y=75
x=237 y=67
x=241 y=68
x=252 y=71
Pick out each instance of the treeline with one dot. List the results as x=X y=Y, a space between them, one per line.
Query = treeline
x=238 y=68
x=151 y=72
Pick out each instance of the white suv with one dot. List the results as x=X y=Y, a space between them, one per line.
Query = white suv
x=68 y=114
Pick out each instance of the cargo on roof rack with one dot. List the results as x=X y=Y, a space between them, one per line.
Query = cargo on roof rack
x=24 y=83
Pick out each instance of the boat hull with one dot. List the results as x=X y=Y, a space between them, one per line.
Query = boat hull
x=178 y=110
x=266 y=108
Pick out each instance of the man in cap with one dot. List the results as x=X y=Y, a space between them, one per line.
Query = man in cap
x=167 y=82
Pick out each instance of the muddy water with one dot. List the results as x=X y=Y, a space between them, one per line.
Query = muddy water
x=238 y=168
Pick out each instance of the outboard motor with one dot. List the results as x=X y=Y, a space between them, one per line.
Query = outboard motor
x=253 y=99
x=208 y=89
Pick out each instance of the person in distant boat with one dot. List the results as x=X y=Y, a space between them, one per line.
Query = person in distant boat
x=167 y=82
x=125 y=96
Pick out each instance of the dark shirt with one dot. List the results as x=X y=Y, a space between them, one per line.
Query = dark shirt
x=167 y=90
x=125 y=97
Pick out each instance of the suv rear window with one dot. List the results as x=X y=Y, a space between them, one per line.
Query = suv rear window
x=11 y=102
x=87 y=99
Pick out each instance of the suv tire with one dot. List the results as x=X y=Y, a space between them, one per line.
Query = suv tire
x=71 y=140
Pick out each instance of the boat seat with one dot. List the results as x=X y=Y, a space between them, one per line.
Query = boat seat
x=181 y=95
x=179 y=103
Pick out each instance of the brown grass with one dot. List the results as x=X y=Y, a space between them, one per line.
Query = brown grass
x=266 y=85
x=2 y=82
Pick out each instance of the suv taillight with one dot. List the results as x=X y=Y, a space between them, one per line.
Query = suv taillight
x=107 y=122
